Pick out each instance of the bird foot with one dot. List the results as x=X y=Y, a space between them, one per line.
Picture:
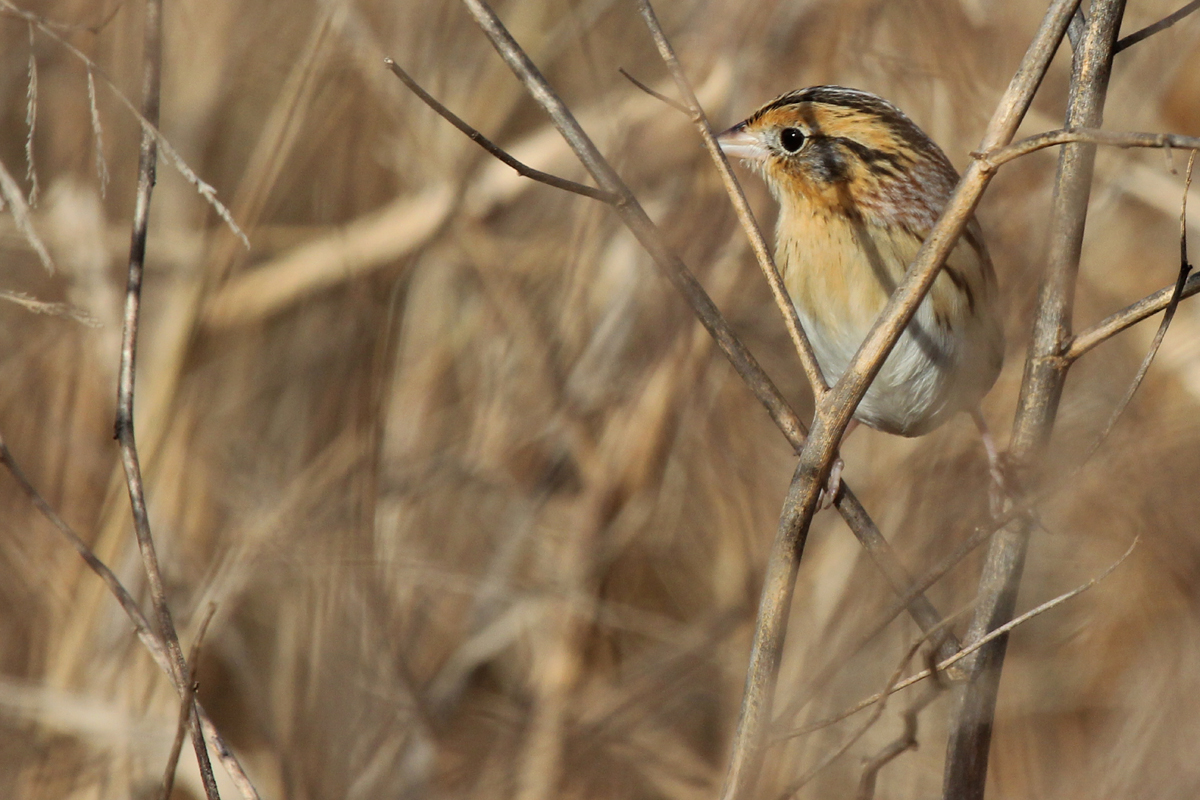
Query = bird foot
x=998 y=491
x=833 y=485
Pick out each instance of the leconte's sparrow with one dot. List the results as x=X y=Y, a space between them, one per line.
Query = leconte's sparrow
x=859 y=187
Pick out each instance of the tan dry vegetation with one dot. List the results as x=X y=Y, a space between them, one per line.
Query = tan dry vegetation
x=483 y=511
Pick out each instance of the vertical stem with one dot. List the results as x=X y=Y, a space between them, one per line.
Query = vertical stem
x=1045 y=372
x=779 y=585
x=147 y=169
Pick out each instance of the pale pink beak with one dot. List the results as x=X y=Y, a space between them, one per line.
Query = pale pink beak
x=737 y=142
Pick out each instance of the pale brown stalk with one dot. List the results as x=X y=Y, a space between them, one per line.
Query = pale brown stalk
x=808 y=359
x=1045 y=372
x=153 y=643
x=124 y=429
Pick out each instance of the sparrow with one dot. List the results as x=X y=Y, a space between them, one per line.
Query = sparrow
x=859 y=188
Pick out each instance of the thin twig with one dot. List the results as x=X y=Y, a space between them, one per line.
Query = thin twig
x=187 y=705
x=637 y=221
x=1184 y=270
x=124 y=428
x=657 y=95
x=910 y=593
x=971 y=728
x=791 y=319
x=906 y=741
x=1127 y=317
x=880 y=706
x=53 y=309
x=1161 y=25
x=971 y=649
x=931 y=576
x=97 y=135
x=475 y=136
x=141 y=626
x=993 y=159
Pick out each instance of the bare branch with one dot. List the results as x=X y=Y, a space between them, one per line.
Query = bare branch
x=657 y=95
x=97 y=135
x=971 y=649
x=638 y=222
x=928 y=579
x=1161 y=25
x=1037 y=407
x=1184 y=269
x=994 y=159
x=147 y=167
x=906 y=741
x=880 y=705
x=141 y=626
x=187 y=706
x=1127 y=317
x=481 y=140
x=758 y=244
x=909 y=591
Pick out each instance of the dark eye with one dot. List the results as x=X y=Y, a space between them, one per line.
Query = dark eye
x=792 y=139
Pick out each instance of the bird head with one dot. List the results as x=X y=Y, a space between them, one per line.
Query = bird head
x=848 y=151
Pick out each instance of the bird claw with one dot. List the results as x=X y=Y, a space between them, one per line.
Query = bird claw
x=998 y=492
x=833 y=485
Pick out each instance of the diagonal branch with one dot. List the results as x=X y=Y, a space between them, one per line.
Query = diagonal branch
x=11 y=195
x=993 y=159
x=1163 y=299
x=1185 y=269
x=657 y=95
x=973 y=648
x=758 y=244
x=1161 y=25
x=187 y=707
x=141 y=626
x=906 y=741
x=1127 y=317
x=522 y=169
x=877 y=712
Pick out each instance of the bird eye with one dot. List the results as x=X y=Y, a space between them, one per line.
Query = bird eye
x=792 y=139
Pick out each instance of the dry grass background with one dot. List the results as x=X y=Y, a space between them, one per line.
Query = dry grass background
x=483 y=512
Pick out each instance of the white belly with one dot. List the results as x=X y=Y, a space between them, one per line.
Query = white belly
x=916 y=388
x=839 y=289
